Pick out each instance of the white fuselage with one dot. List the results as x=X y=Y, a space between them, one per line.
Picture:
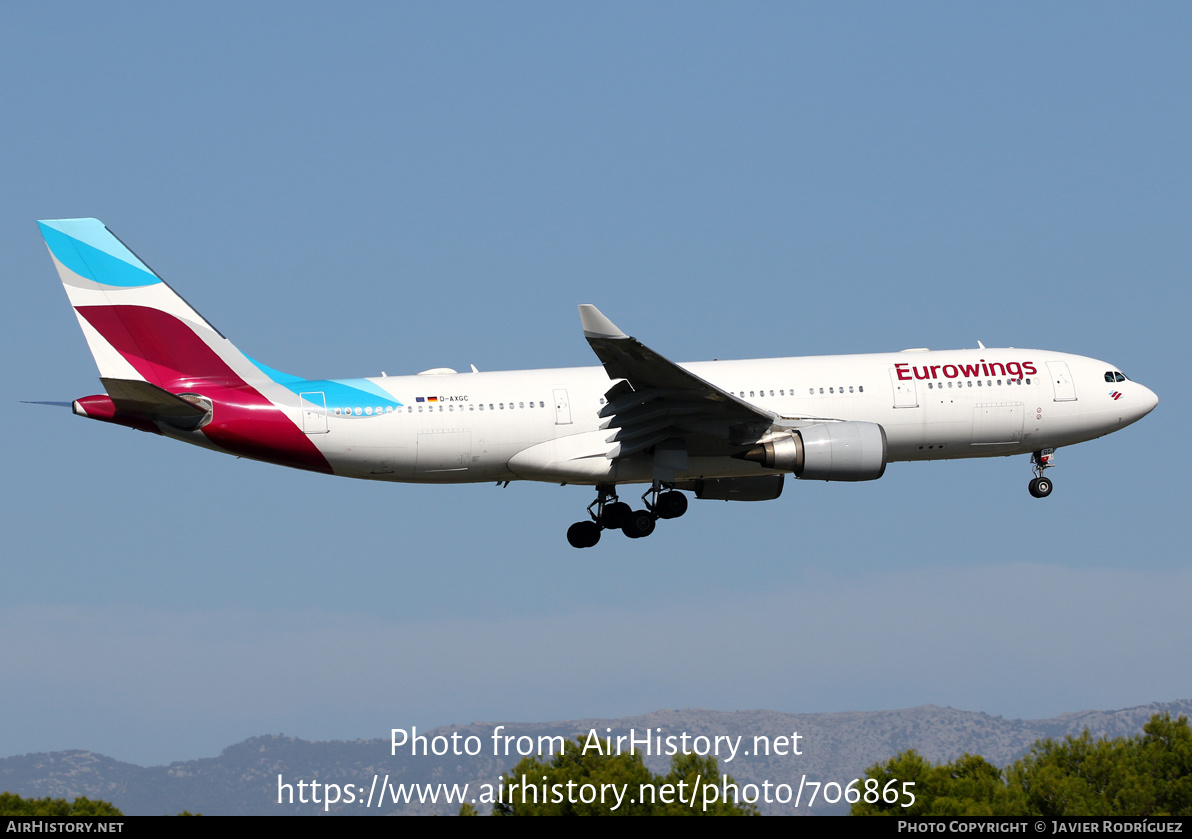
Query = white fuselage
x=544 y=424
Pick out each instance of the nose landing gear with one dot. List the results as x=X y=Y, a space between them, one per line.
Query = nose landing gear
x=661 y=502
x=1039 y=486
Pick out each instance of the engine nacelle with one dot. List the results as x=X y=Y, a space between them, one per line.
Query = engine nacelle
x=831 y=451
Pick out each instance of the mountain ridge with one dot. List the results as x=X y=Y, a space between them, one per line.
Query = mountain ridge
x=836 y=746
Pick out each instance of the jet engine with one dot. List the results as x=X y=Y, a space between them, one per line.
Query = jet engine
x=830 y=451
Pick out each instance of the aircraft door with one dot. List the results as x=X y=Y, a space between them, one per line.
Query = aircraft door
x=906 y=395
x=314 y=412
x=1061 y=381
x=562 y=407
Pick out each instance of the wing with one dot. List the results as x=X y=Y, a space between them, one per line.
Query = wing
x=658 y=403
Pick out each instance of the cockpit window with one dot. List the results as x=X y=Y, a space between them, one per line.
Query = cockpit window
x=1119 y=376
x=1109 y=375
x=1114 y=376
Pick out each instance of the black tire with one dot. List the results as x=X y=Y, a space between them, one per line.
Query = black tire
x=640 y=523
x=615 y=514
x=583 y=534
x=1040 y=487
x=671 y=505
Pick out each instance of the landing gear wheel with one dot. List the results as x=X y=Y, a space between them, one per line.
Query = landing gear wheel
x=583 y=534
x=615 y=514
x=639 y=523
x=1040 y=487
x=671 y=505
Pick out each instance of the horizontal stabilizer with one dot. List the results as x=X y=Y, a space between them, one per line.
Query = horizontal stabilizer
x=137 y=397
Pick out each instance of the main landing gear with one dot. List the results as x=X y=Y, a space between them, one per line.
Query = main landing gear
x=661 y=502
x=1040 y=487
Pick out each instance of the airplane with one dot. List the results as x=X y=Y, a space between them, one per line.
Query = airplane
x=723 y=430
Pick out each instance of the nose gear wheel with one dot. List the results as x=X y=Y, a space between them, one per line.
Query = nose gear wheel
x=1039 y=486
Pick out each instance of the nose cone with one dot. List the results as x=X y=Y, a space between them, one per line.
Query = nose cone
x=1148 y=401
x=1142 y=401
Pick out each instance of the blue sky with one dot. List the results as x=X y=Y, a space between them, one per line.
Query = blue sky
x=397 y=187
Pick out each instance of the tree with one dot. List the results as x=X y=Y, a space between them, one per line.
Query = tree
x=968 y=786
x=14 y=805
x=1166 y=755
x=1146 y=775
x=559 y=785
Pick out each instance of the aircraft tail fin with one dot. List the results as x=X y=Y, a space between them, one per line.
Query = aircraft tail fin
x=137 y=327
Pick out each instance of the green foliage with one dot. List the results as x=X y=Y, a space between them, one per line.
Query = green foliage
x=14 y=805
x=691 y=769
x=1146 y=775
x=1167 y=757
x=626 y=771
x=968 y=786
x=468 y=809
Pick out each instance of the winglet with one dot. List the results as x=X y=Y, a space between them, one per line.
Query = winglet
x=596 y=325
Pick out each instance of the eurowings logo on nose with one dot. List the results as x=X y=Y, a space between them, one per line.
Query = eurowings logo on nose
x=1117 y=394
